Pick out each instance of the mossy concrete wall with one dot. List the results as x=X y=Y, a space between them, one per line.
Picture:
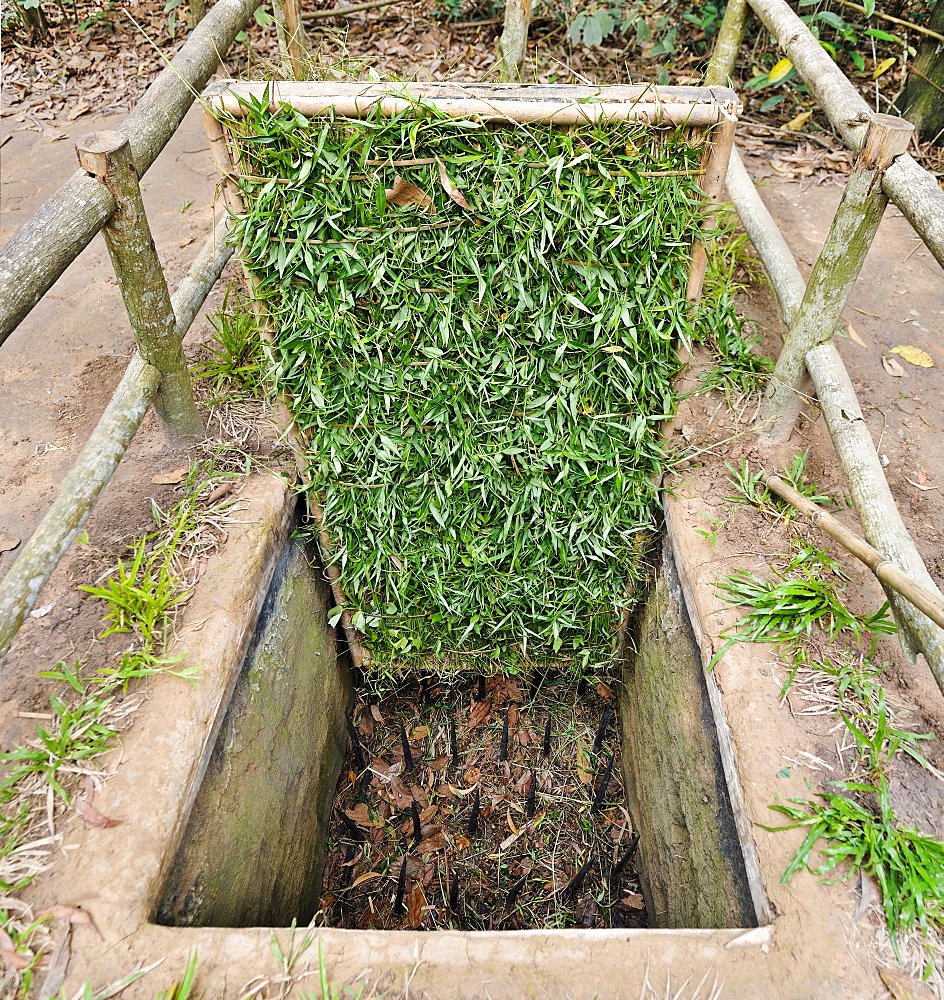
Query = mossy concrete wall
x=253 y=849
x=689 y=854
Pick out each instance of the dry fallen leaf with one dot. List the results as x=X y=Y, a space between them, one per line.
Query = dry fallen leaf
x=450 y=188
x=43 y=611
x=924 y=485
x=437 y=842
x=171 y=478
x=361 y=816
x=635 y=900
x=366 y=877
x=779 y=71
x=404 y=193
x=584 y=767
x=220 y=491
x=375 y=713
x=905 y=987
x=795 y=124
x=853 y=334
x=892 y=367
x=8 y=541
x=479 y=713
x=914 y=355
x=92 y=816
x=415 y=902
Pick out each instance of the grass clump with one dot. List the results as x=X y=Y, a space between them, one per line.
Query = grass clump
x=480 y=364
x=908 y=866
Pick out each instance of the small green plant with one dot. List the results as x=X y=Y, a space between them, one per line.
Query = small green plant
x=787 y=611
x=142 y=595
x=711 y=536
x=327 y=991
x=238 y=359
x=183 y=988
x=751 y=490
x=909 y=867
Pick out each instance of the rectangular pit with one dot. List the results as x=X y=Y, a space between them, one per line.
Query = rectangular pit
x=253 y=847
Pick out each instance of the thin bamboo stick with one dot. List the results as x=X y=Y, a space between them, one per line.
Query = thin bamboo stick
x=80 y=489
x=561 y=104
x=43 y=247
x=204 y=273
x=887 y=572
x=912 y=188
x=835 y=272
x=712 y=187
x=107 y=156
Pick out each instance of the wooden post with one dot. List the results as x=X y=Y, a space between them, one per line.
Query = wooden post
x=727 y=44
x=197 y=12
x=107 y=156
x=835 y=272
x=512 y=47
x=293 y=45
x=42 y=248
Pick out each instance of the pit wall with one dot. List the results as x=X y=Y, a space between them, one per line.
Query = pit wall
x=690 y=859
x=253 y=849
x=805 y=947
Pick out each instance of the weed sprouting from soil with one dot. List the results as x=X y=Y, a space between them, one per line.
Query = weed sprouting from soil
x=533 y=840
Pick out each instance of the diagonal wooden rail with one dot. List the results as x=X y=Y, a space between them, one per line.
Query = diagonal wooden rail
x=44 y=246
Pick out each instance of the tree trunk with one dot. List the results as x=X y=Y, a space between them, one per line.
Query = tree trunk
x=922 y=100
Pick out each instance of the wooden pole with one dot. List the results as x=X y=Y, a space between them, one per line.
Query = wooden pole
x=107 y=156
x=887 y=572
x=835 y=272
x=43 y=247
x=512 y=47
x=354 y=8
x=727 y=45
x=80 y=489
x=197 y=12
x=881 y=522
x=293 y=45
x=912 y=188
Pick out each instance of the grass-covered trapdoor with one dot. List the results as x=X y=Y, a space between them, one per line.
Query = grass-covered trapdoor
x=475 y=321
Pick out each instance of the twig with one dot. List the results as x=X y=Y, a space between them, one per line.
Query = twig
x=601 y=729
x=417 y=826
x=627 y=856
x=476 y=807
x=405 y=746
x=894 y=20
x=503 y=745
x=546 y=745
x=343 y=11
x=601 y=788
x=401 y=886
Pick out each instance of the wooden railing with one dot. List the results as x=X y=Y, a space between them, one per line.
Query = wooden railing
x=883 y=171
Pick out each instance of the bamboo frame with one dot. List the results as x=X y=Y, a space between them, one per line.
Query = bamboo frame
x=104 y=449
x=696 y=107
x=880 y=518
x=678 y=106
